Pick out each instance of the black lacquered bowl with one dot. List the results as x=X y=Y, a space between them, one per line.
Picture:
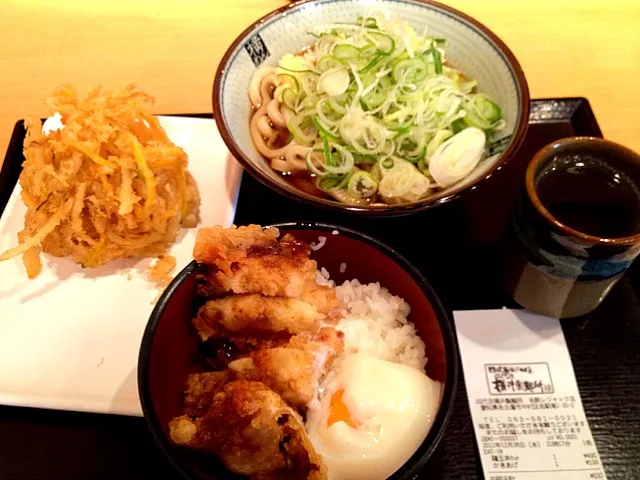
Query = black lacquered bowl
x=169 y=350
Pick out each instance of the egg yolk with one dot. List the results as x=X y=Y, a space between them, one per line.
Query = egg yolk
x=338 y=411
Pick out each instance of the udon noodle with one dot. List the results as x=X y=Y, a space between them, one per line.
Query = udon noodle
x=269 y=130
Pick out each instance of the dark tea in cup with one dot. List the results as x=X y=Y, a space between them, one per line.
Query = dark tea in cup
x=590 y=195
x=576 y=228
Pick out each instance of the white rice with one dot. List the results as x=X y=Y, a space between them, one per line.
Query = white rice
x=375 y=322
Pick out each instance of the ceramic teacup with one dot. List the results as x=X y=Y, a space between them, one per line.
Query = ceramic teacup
x=575 y=229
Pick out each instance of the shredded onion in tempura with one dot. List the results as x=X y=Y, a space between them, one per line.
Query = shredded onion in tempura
x=109 y=184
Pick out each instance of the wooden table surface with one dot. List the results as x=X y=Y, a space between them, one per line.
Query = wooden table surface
x=587 y=48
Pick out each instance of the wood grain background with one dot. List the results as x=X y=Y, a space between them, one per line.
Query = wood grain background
x=171 y=49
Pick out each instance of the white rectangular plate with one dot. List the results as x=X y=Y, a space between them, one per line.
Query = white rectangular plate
x=69 y=339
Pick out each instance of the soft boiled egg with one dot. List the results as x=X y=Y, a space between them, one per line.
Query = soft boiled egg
x=372 y=416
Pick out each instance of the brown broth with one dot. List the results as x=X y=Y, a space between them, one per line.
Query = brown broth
x=306 y=183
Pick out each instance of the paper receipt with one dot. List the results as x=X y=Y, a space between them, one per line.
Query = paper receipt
x=526 y=409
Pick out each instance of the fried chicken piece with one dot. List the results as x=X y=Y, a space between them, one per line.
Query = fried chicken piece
x=269 y=275
x=255 y=315
x=295 y=369
x=201 y=388
x=221 y=351
x=183 y=430
x=254 y=433
x=252 y=260
x=222 y=247
x=289 y=372
x=318 y=342
x=219 y=248
x=322 y=297
x=206 y=283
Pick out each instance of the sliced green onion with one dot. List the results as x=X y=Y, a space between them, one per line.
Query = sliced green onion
x=375 y=98
x=327 y=62
x=459 y=125
x=371 y=64
x=378 y=95
x=417 y=158
x=362 y=184
x=438 y=139
x=412 y=147
x=384 y=43
x=309 y=83
x=370 y=22
x=328 y=164
x=289 y=98
x=293 y=63
x=403 y=183
x=338 y=107
x=437 y=59
x=327 y=150
x=317 y=167
x=332 y=182
x=401 y=127
x=346 y=160
x=467 y=86
x=327 y=183
x=328 y=113
x=290 y=70
x=482 y=112
x=324 y=130
x=410 y=71
x=325 y=43
x=345 y=52
x=399 y=58
x=360 y=159
x=457 y=157
x=297 y=125
x=367 y=49
x=288 y=78
x=333 y=82
x=343 y=196
x=309 y=102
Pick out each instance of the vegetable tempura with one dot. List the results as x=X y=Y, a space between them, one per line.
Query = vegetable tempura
x=109 y=184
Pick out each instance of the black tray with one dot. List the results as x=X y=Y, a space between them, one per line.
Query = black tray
x=457 y=247
x=461 y=263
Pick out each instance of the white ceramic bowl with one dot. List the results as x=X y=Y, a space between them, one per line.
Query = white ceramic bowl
x=471 y=47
